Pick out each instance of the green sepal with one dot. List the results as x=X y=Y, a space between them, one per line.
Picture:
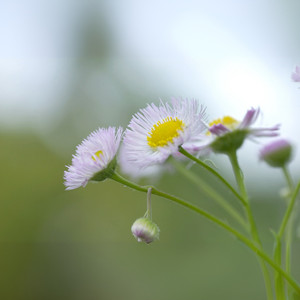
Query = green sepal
x=230 y=141
x=107 y=172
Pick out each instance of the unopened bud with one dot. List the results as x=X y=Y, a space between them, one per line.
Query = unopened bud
x=276 y=153
x=144 y=230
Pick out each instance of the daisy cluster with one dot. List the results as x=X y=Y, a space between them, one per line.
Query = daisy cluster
x=156 y=133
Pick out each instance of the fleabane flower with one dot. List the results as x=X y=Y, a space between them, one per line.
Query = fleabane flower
x=156 y=132
x=296 y=74
x=95 y=158
x=228 y=134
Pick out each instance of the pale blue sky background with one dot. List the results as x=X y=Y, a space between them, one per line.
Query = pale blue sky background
x=230 y=55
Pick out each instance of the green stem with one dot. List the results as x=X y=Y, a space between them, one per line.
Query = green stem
x=215 y=220
x=288 y=211
x=211 y=170
x=285 y=224
x=288 y=178
x=203 y=186
x=241 y=184
x=149 y=207
x=279 y=286
x=288 y=221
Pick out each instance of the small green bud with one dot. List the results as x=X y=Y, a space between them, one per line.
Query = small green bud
x=277 y=153
x=144 y=230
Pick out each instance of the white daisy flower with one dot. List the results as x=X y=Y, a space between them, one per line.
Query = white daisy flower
x=156 y=132
x=94 y=159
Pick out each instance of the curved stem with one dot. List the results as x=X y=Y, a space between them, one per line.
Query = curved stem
x=288 y=221
x=211 y=170
x=215 y=220
x=203 y=186
x=241 y=184
x=288 y=211
x=254 y=232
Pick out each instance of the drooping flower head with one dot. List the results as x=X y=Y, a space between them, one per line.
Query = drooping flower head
x=228 y=134
x=277 y=153
x=156 y=132
x=296 y=74
x=94 y=159
x=144 y=230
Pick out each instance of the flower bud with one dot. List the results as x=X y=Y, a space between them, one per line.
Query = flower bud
x=144 y=230
x=276 y=153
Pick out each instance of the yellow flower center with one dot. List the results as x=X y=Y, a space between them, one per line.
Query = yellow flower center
x=164 y=132
x=227 y=121
x=97 y=155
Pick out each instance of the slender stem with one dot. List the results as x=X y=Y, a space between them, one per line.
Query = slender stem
x=203 y=186
x=288 y=221
x=288 y=253
x=288 y=211
x=211 y=170
x=241 y=184
x=288 y=178
x=149 y=208
x=215 y=220
x=240 y=181
x=279 y=286
x=290 y=225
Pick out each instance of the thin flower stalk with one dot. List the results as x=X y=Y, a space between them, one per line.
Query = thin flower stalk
x=212 y=171
x=203 y=186
x=215 y=220
x=254 y=233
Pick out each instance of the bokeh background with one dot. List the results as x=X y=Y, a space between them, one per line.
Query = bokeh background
x=68 y=67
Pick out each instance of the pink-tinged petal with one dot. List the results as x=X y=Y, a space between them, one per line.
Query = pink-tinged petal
x=295 y=76
x=250 y=117
x=218 y=129
x=273 y=147
x=265 y=131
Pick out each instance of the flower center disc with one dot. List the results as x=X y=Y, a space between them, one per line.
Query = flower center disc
x=227 y=121
x=163 y=132
x=97 y=155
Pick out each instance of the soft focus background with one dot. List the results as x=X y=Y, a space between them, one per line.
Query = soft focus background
x=68 y=67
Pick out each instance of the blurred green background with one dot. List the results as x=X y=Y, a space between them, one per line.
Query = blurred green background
x=68 y=68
